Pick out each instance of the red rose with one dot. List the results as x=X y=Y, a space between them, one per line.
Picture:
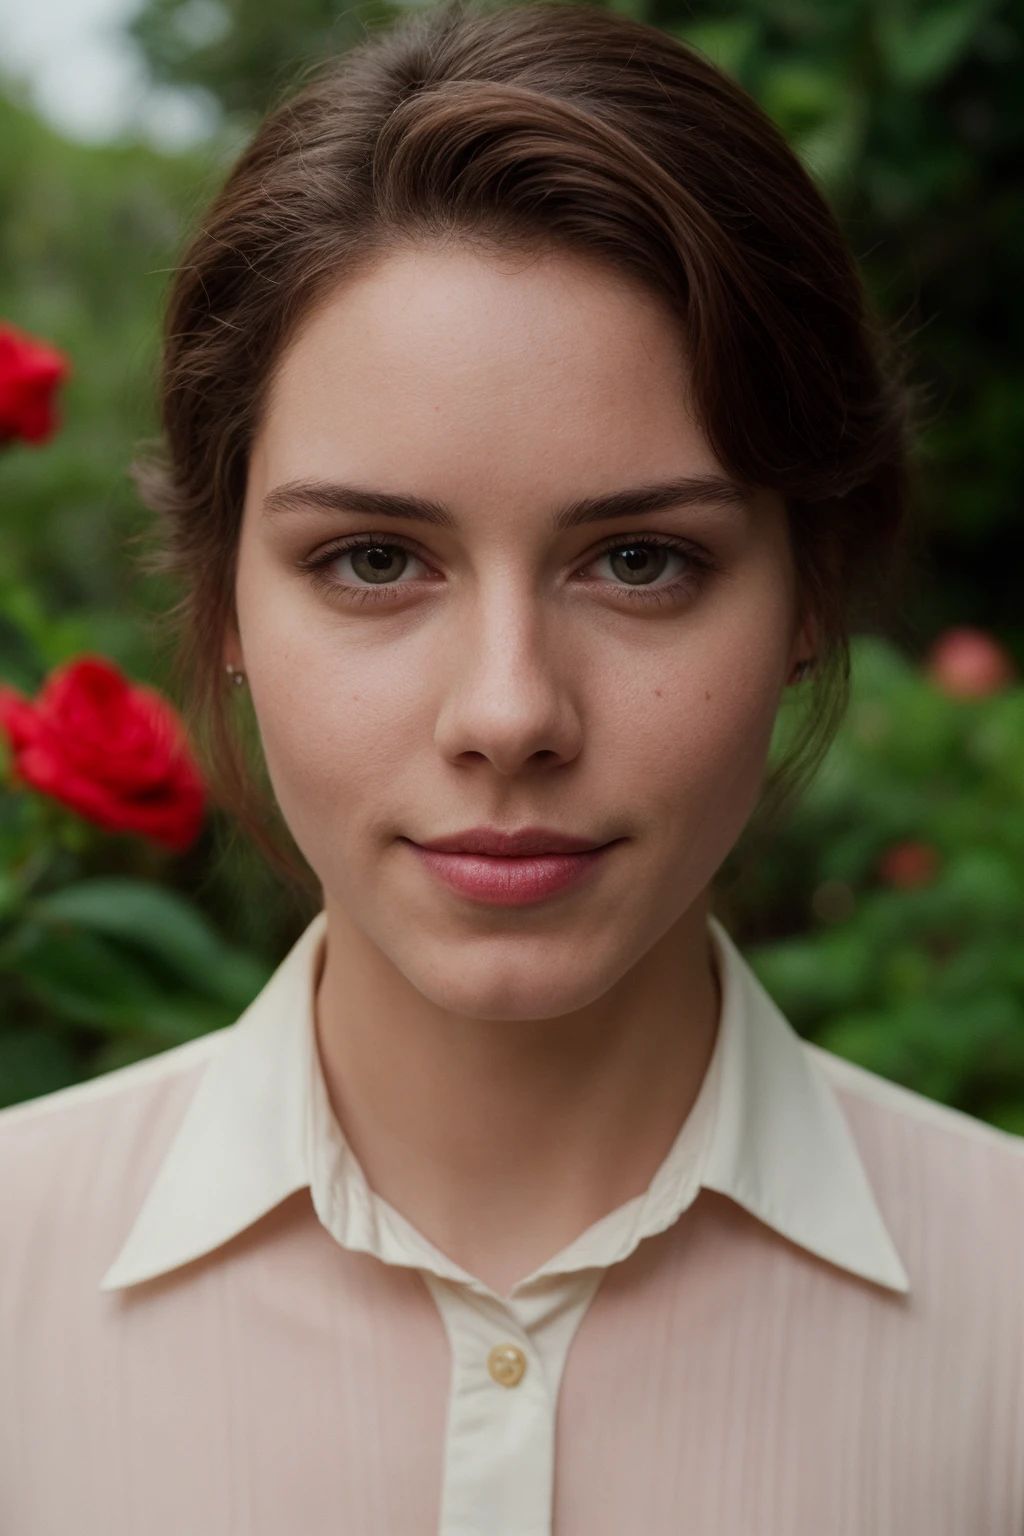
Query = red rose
x=114 y=752
x=29 y=374
x=908 y=865
x=968 y=664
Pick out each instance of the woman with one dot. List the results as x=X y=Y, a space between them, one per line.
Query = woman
x=526 y=438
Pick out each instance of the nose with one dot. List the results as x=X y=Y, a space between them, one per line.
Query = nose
x=507 y=698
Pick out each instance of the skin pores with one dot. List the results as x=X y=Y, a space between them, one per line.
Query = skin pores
x=508 y=671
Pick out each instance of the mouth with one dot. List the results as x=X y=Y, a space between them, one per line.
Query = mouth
x=511 y=868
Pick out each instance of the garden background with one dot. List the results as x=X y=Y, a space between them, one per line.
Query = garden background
x=887 y=917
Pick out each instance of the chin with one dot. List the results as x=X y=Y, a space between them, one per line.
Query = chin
x=521 y=981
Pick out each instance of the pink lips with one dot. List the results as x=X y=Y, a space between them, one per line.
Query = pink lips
x=510 y=869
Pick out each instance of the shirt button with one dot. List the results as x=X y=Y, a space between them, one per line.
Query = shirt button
x=507 y=1365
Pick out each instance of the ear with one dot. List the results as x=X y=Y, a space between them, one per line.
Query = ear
x=804 y=650
x=231 y=649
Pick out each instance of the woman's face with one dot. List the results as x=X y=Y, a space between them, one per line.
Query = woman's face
x=493 y=580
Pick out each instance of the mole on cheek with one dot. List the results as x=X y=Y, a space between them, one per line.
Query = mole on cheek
x=657 y=693
x=706 y=694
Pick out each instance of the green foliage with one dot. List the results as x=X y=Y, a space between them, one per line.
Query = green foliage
x=245 y=53
x=925 y=983
x=909 y=113
x=87 y=237
x=155 y=921
x=96 y=972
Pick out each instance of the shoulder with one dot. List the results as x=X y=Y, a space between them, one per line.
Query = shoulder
x=907 y=1114
x=104 y=1103
x=950 y=1187
x=75 y=1165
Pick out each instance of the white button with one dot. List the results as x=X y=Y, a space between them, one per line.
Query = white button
x=507 y=1365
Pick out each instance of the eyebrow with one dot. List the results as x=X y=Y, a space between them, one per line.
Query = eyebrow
x=636 y=501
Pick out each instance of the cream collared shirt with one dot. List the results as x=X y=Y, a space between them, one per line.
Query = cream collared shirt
x=812 y=1322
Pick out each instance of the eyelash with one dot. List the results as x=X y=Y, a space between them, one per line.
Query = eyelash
x=318 y=565
x=701 y=567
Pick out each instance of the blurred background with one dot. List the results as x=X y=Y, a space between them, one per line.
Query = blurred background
x=887 y=916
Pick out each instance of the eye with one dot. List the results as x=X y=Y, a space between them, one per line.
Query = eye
x=374 y=564
x=640 y=563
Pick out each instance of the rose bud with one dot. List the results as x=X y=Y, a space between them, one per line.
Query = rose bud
x=908 y=865
x=967 y=663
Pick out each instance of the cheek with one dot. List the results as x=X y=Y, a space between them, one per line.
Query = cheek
x=696 y=740
x=704 y=742
x=338 y=720
x=336 y=731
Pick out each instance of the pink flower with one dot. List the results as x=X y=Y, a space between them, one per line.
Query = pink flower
x=967 y=663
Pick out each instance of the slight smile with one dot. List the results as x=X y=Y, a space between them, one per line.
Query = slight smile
x=511 y=869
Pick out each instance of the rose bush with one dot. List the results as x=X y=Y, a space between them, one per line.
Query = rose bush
x=109 y=749
x=99 y=966
x=105 y=957
x=30 y=372
x=887 y=919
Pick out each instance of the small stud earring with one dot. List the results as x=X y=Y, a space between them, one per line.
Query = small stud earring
x=235 y=674
x=803 y=669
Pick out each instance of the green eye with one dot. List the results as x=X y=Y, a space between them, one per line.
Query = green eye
x=638 y=564
x=378 y=563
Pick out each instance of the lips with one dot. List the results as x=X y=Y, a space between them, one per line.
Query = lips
x=501 y=844
x=511 y=868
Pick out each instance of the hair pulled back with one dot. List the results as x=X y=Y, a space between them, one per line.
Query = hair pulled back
x=554 y=125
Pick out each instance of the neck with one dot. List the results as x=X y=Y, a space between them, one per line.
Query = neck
x=503 y=1141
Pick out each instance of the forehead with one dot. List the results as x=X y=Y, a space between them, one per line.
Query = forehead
x=466 y=369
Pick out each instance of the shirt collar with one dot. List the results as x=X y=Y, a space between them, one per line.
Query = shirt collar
x=765 y=1130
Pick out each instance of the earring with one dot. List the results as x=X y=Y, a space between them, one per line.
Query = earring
x=235 y=674
x=803 y=669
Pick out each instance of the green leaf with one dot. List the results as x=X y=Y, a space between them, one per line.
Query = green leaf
x=920 y=52
x=728 y=41
x=79 y=976
x=88 y=980
x=807 y=977
x=33 y=1062
x=21 y=663
x=636 y=10
x=161 y=924
x=1008 y=1116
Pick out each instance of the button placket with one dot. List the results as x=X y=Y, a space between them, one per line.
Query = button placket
x=499 y=1456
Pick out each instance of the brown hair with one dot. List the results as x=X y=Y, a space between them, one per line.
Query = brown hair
x=571 y=127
